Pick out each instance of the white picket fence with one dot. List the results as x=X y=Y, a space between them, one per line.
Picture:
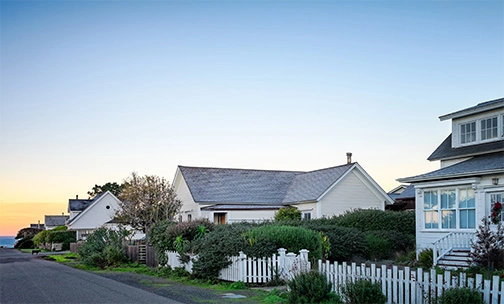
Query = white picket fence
x=283 y=266
x=401 y=286
x=409 y=286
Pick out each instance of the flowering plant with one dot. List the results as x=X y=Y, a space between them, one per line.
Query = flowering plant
x=495 y=213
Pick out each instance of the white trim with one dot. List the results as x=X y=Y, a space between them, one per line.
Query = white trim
x=446 y=183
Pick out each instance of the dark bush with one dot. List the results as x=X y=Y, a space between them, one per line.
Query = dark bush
x=188 y=230
x=382 y=244
x=345 y=243
x=104 y=248
x=363 y=292
x=311 y=287
x=265 y=240
x=426 y=258
x=215 y=248
x=369 y=219
x=25 y=243
x=461 y=295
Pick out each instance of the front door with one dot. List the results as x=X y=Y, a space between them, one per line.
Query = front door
x=220 y=218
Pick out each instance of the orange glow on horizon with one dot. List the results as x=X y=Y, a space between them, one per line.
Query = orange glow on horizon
x=15 y=216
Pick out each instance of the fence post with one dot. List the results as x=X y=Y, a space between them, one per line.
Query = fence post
x=281 y=261
x=303 y=253
x=241 y=267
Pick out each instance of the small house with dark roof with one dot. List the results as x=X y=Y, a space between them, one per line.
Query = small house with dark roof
x=90 y=214
x=53 y=221
x=404 y=198
x=453 y=200
x=226 y=195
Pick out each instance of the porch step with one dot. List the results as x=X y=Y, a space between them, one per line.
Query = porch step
x=458 y=258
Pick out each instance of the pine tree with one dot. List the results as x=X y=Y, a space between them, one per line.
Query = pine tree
x=488 y=249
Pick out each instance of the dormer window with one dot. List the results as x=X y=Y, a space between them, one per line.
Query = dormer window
x=468 y=132
x=488 y=128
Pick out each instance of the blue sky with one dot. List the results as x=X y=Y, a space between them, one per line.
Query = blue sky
x=93 y=90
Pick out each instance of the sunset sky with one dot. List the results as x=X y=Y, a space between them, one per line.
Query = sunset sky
x=93 y=90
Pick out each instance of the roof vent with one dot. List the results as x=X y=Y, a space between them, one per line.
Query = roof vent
x=349 y=157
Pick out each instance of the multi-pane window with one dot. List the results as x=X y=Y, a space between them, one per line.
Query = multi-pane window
x=494 y=198
x=468 y=132
x=488 y=128
x=467 y=207
x=453 y=208
x=431 y=209
x=448 y=209
x=307 y=216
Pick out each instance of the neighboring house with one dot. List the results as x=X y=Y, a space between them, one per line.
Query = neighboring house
x=404 y=198
x=88 y=215
x=53 y=221
x=452 y=201
x=232 y=195
x=37 y=226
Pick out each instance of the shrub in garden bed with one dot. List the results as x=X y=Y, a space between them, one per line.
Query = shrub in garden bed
x=311 y=287
x=103 y=248
x=363 y=292
x=345 y=243
x=370 y=219
x=461 y=295
x=382 y=244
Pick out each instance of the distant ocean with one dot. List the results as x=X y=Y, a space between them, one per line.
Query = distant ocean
x=7 y=241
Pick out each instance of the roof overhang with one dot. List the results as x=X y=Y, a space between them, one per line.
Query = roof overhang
x=480 y=108
x=414 y=179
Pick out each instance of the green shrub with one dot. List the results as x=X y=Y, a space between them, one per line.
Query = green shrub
x=426 y=258
x=382 y=244
x=61 y=236
x=215 y=248
x=345 y=243
x=363 y=292
x=461 y=295
x=265 y=240
x=378 y=248
x=104 y=248
x=311 y=287
x=40 y=238
x=288 y=213
x=370 y=219
x=160 y=240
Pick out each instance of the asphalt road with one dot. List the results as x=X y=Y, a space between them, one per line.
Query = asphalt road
x=28 y=279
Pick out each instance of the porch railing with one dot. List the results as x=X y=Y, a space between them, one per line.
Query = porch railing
x=453 y=240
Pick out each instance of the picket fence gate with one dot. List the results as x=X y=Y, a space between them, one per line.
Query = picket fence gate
x=407 y=286
x=283 y=266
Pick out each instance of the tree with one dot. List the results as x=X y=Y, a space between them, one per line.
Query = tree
x=146 y=200
x=288 y=213
x=488 y=249
x=27 y=233
x=114 y=188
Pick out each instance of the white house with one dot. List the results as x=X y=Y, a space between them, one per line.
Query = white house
x=452 y=201
x=232 y=195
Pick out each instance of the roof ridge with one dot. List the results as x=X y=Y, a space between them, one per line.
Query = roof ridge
x=243 y=169
x=334 y=167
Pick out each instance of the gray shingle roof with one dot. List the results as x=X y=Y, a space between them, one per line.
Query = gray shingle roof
x=81 y=204
x=244 y=186
x=241 y=207
x=409 y=192
x=445 y=150
x=55 y=220
x=478 y=165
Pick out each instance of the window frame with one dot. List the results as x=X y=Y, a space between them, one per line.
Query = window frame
x=491 y=203
x=486 y=129
x=465 y=134
x=433 y=212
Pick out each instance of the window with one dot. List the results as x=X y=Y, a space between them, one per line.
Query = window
x=430 y=209
x=307 y=216
x=467 y=208
x=453 y=208
x=494 y=198
x=488 y=128
x=468 y=132
x=448 y=209
x=189 y=217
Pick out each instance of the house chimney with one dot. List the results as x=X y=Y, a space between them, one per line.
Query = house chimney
x=38 y=225
x=76 y=197
x=349 y=157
